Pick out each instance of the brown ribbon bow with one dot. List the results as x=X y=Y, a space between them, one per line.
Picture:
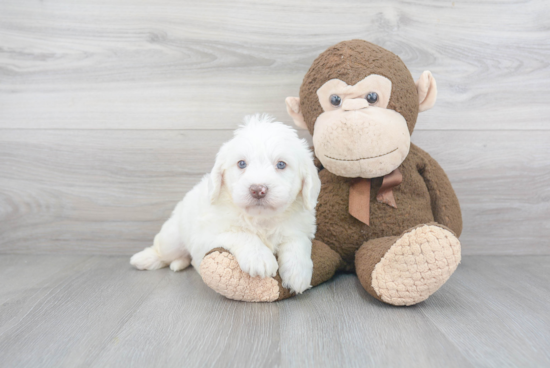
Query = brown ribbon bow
x=359 y=195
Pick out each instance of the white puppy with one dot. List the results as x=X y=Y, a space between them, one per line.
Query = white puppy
x=258 y=202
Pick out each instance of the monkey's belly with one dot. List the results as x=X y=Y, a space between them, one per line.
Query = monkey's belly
x=345 y=234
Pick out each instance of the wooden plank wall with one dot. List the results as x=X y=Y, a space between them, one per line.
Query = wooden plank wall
x=111 y=110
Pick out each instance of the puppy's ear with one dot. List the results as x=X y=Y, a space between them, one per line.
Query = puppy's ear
x=216 y=178
x=311 y=184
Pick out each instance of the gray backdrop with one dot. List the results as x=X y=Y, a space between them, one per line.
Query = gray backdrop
x=111 y=110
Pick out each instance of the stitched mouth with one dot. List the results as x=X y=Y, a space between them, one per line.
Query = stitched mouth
x=359 y=159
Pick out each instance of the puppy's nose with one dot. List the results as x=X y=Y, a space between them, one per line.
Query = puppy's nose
x=258 y=191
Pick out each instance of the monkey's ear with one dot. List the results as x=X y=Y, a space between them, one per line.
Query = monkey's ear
x=293 y=109
x=427 y=91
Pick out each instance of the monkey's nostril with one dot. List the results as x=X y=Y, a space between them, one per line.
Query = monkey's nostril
x=258 y=191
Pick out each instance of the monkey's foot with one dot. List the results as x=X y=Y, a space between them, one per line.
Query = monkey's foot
x=221 y=272
x=416 y=264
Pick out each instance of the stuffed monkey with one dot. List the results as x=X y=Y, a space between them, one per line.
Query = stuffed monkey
x=386 y=210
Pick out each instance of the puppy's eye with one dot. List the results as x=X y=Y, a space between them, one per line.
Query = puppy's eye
x=281 y=165
x=372 y=97
x=241 y=164
x=335 y=100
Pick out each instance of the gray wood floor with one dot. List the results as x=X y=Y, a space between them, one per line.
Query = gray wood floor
x=96 y=311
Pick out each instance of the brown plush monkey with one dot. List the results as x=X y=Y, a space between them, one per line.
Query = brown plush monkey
x=387 y=210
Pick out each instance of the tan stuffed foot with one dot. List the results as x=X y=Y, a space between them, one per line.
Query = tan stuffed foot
x=221 y=272
x=413 y=266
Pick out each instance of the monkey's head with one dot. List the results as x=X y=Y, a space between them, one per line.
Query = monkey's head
x=360 y=104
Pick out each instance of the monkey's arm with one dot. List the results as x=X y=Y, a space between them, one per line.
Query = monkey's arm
x=445 y=205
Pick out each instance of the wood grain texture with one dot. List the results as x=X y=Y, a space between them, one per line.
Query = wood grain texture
x=373 y=335
x=37 y=270
x=98 y=312
x=72 y=316
x=184 y=323
x=501 y=179
x=497 y=310
x=108 y=192
x=167 y=64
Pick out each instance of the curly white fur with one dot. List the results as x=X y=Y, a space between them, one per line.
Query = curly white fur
x=220 y=211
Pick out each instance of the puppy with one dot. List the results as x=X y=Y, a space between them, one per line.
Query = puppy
x=258 y=202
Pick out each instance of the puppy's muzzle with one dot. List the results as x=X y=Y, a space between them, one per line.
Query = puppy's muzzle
x=258 y=191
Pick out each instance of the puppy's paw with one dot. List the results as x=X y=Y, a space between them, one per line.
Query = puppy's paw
x=296 y=274
x=180 y=264
x=258 y=262
x=147 y=259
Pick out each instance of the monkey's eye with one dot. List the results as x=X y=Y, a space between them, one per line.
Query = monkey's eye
x=335 y=100
x=281 y=165
x=372 y=97
x=241 y=164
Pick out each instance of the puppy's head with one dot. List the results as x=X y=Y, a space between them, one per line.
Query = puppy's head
x=265 y=168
